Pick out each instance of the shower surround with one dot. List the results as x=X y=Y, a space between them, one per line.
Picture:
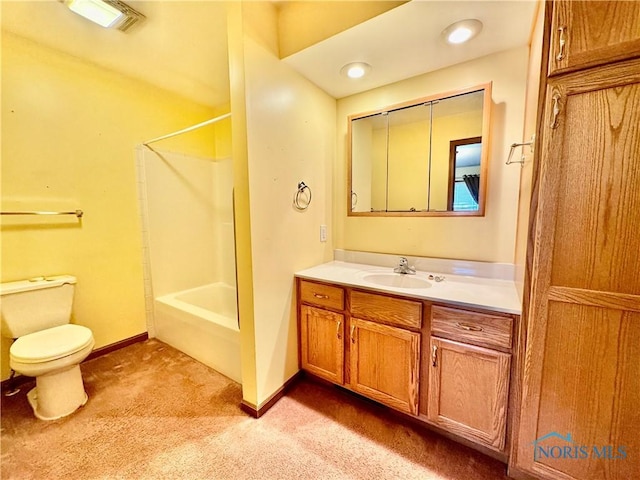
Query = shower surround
x=188 y=244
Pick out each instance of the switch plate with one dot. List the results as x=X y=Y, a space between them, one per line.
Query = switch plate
x=323 y=233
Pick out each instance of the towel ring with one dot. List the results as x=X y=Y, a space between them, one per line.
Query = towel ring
x=299 y=201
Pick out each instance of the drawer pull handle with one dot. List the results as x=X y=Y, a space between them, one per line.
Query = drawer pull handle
x=470 y=328
x=434 y=355
x=556 y=110
x=561 y=43
x=338 y=329
x=320 y=295
x=353 y=331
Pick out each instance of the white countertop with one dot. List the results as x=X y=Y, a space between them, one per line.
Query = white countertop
x=493 y=294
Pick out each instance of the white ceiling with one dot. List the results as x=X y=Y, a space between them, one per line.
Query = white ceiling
x=182 y=45
x=405 y=42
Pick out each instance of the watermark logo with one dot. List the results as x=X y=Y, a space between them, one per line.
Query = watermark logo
x=554 y=445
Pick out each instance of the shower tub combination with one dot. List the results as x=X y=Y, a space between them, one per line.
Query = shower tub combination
x=186 y=218
x=203 y=323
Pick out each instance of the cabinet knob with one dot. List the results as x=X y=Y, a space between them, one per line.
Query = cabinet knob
x=338 y=328
x=353 y=331
x=320 y=295
x=434 y=355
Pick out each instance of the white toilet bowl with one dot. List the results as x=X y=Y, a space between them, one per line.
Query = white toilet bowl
x=53 y=356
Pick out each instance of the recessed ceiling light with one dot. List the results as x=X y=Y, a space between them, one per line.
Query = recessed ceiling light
x=106 y=13
x=355 y=69
x=462 y=31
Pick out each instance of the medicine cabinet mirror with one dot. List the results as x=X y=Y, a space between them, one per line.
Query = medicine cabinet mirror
x=427 y=157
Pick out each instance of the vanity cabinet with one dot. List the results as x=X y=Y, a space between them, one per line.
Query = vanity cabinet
x=321 y=323
x=384 y=353
x=590 y=33
x=384 y=356
x=321 y=344
x=385 y=364
x=446 y=366
x=469 y=384
x=468 y=391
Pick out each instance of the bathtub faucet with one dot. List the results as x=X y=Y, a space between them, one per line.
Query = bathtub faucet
x=404 y=268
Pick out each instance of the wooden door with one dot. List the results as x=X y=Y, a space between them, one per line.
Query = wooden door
x=321 y=343
x=580 y=413
x=385 y=362
x=468 y=391
x=589 y=33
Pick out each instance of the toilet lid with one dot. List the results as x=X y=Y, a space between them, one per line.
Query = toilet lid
x=51 y=344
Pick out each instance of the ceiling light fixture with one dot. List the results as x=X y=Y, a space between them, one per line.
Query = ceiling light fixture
x=462 y=31
x=106 y=13
x=355 y=69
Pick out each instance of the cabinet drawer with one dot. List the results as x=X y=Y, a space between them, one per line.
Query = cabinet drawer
x=395 y=311
x=322 y=295
x=472 y=327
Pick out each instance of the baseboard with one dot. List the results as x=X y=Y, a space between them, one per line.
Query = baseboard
x=257 y=412
x=19 y=380
x=98 y=352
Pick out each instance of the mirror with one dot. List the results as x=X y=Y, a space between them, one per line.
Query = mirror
x=426 y=157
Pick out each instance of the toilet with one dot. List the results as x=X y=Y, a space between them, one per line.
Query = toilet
x=36 y=313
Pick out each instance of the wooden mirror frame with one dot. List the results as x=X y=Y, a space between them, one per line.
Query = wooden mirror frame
x=484 y=158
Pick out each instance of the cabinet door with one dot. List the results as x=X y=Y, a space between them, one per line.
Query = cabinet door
x=581 y=384
x=589 y=33
x=468 y=391
x=385 y=363
x=321 y=343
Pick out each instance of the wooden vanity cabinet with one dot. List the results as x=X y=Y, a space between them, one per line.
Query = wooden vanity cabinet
x=321 y=343
x=469 y=384
x=468 y=391
x=321 y=327
x=385 y=363
x=446 y=366
x=383 y=354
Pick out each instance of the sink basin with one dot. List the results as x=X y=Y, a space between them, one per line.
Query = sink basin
x=396 y=280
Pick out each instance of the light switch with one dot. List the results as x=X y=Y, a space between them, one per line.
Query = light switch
x=323 y=233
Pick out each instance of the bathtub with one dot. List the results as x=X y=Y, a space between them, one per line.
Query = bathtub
x=203 y=323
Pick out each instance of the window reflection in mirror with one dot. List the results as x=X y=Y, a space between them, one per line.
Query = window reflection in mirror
x=421 y=158
x=464 y=174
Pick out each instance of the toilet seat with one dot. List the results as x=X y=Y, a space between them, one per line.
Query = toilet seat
x=51 y=344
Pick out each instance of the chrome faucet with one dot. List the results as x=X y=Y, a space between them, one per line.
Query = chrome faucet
x=404 y=268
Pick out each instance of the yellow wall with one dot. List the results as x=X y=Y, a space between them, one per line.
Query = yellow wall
x=242 y=215
x=490 y=238
x=530 y=125
x=290 y=137
x=69 y=133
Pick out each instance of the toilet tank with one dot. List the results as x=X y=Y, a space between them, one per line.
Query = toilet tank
x=29 y=306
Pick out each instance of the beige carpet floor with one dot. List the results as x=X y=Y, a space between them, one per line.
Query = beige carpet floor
x=155 y=413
